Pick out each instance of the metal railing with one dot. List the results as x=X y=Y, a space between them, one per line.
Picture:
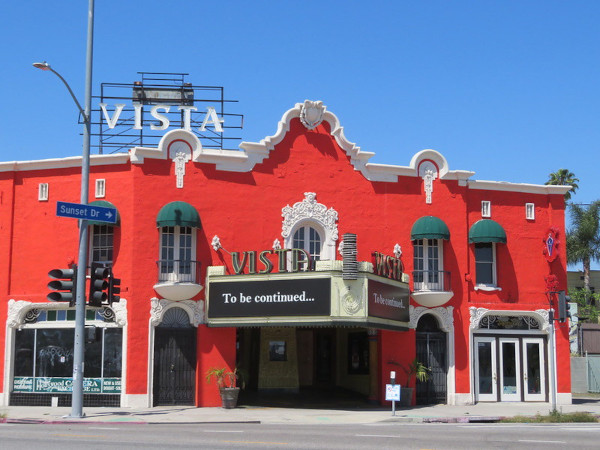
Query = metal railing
x=178 y=271
x=431 y=280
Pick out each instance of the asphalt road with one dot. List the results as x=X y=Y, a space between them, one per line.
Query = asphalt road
x=257 y=436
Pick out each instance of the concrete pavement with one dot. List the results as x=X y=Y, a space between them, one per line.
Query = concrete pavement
x=481 y=412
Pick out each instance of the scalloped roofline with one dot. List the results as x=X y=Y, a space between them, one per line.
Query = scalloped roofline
x=253 y=153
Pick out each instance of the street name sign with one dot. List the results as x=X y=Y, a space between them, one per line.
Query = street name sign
x=87 y=212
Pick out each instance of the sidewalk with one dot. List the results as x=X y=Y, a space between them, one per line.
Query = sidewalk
x=481 y=412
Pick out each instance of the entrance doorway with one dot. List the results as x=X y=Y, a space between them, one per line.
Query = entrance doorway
x=431 y=351
x=174 y=360
x=298 y=367
x=509 y=369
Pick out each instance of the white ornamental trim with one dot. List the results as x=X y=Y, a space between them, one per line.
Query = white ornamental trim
x=253 y=153
x=310 y=209
x=194 y=309
x=444 y=314
x=476 y=314
x=18 y=310
x=311 y=114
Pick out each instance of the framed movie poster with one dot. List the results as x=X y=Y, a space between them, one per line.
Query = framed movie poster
x=358 y=353
x=277 y=351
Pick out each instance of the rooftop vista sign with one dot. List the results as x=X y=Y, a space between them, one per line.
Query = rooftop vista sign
x=210 y=118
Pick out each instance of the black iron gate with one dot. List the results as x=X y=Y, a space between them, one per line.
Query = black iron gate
x=431 y=351
x=174 y=366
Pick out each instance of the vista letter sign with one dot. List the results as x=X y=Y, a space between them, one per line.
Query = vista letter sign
x=210 y=118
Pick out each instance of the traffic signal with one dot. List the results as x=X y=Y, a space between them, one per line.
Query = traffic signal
x=64 y=285
x=98 y=284
x=114 y=288
x=563 y=307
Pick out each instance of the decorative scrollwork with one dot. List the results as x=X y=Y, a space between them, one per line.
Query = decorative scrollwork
x=310 y=209
x=158 y=308
x=32 y=315
x=311 y=114
x=351 y=303
x=445 y=315
x=107 y=314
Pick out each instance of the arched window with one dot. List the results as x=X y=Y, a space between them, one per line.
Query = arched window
x=428 y=263
x=177 y=223
x=428 y=235
x=308 y=238
x=311 y=226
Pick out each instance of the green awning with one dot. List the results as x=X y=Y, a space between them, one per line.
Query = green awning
x=105 y=204
x=486 y=230
x=180 y=214
x=429 y=227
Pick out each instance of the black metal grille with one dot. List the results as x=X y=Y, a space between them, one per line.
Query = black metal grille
x=174 y=366
x=89 y=400
x=432 y=280
x=431 y=351
x=178 y=271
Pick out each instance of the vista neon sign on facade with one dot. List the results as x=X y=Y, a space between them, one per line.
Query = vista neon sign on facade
x=210 y=118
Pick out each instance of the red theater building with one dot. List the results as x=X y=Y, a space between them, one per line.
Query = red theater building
x=294 y=259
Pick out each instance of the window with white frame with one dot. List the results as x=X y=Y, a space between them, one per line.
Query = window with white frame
x=529 y=211
x=177 y=254
x=485 y=264
x=43 y=192
x=102 y=243
x=486 y=209
x=308 y=238
x=100 y=188
x=428 y=264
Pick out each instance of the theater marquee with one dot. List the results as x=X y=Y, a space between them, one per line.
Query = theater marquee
x=307 y=298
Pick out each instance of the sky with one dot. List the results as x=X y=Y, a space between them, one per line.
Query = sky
x=507 y=89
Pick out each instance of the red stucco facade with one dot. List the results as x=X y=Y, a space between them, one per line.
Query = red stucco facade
x=243 y=204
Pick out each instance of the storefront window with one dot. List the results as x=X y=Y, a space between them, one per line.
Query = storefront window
x=54 y=352
x=49 y=352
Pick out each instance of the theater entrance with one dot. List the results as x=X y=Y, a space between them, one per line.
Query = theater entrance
x=305 y=366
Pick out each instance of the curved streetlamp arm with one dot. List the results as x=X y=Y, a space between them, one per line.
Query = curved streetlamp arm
x=46 y=66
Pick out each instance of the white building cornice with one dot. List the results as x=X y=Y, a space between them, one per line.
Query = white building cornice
x=253 y=153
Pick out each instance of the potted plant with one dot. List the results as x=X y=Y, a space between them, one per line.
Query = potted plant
x=416 y=369
x=226 y=382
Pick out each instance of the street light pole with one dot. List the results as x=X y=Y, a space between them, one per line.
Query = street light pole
x=79 y=344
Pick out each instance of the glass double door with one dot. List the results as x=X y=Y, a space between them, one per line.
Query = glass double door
x=510 y=369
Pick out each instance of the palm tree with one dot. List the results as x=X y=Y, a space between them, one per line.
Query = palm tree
x=583 y=239
x=563 y=177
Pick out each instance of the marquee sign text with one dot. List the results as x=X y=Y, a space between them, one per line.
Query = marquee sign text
x=388 y=302
x=269 y=298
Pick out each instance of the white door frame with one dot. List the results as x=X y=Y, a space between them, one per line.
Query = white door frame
x=510 y=396
x=541 y=394
x=493 y=396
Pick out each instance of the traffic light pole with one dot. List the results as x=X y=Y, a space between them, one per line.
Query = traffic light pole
x=79 y=345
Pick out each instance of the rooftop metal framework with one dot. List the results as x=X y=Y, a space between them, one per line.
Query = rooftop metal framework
x=169 y=90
